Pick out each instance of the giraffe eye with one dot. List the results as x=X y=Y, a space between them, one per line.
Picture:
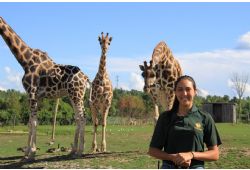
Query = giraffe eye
x=109 y=43
x=143 y=74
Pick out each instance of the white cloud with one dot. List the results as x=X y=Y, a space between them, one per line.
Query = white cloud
x=124 y=86
x=202 y=93
x=247 y=92
x=13 y=76
x=136 y=81
x=212 y=69
x=2 y=89
x=120 y=64
x=7 y=70
x=244 y=41
x=13 y=79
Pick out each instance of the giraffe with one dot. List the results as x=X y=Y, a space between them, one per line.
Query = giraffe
x=44 y=78
x=102 y=94
x=160 y=76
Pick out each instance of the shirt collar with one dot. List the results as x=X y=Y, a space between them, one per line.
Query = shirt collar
x=193 y=109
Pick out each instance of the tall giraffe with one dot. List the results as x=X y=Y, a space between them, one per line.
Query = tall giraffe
x=44 y=78
x=160 y=76
x=102 y=94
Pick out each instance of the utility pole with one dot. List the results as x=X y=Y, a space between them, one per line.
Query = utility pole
x=117 y=81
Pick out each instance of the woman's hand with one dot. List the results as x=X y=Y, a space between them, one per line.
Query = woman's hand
x=186 y=164
x=183 y=158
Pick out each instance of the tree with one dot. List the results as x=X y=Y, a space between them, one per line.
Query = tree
x=14 y=106
x=131 y=106
x=25 y=109
x=239 y=85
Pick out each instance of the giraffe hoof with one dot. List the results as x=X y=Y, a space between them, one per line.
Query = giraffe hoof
x=80 y=155
x=77 y=155
x=95 y=150
x=27 y=159
x=104 y=151
x=72 y=153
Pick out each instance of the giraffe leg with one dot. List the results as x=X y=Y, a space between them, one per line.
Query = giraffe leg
x=80 y=118
x=31 y=148
x=54 y=122
x=104 y=123
x=81 y=133
x=76 y=136
x=95 y=125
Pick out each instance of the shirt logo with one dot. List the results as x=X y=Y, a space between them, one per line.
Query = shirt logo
x=198 y=126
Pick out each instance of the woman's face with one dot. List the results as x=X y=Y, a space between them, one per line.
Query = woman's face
x=185 y=93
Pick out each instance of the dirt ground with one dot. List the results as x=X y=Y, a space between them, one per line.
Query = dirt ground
x=53 y=161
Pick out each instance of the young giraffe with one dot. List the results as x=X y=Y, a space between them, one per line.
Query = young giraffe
x=44 y=78
x=102 y=94
x=160 y=76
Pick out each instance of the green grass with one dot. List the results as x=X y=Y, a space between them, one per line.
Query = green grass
x=126 y=145
x=235 y=148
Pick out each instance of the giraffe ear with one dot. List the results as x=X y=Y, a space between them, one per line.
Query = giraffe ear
x=110 y=39
x=99 y=38
x=142 y=67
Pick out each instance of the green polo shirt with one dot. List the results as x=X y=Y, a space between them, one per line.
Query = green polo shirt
x=176 y=134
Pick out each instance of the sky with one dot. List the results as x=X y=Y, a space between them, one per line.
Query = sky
x=210 y=40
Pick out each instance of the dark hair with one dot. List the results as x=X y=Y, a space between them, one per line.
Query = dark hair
x=185 y=77
x=176 y=102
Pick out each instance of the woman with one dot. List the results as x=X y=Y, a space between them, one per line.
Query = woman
x=180 y=133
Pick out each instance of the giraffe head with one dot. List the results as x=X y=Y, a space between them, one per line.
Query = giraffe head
x=149 y=75
x=105 y=42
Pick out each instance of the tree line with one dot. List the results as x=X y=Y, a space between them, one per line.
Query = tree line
x=133 y=104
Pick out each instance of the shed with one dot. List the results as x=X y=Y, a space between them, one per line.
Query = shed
x=221 y=111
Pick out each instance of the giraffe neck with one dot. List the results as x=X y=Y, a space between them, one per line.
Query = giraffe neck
x=102 y=65
x=17 y=46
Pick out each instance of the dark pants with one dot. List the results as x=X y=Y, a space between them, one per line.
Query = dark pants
x=171 y=165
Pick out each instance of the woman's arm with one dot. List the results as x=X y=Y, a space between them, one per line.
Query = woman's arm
x=159 y=154
x=212 y=154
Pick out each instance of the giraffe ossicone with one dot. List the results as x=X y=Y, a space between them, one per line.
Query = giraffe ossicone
x=44 y=78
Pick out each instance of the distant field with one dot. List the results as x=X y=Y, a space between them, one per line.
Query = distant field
x=127 y=147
